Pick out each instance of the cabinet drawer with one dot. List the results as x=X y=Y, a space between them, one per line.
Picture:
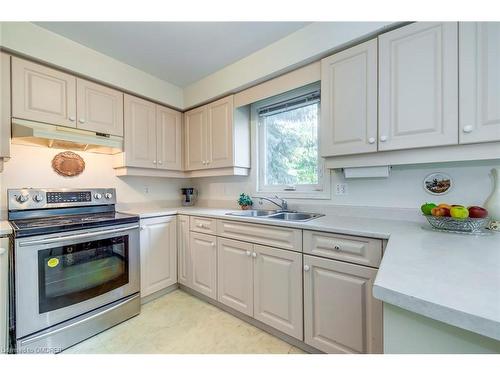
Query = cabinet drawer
x=203 y=225
x=360 y=250
x=285 y=238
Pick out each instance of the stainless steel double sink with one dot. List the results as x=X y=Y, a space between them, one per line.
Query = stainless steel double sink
x=277 y=215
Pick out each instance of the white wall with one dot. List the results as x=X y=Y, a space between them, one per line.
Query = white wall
x=39 y=43
x=305 y=45
x=403 y=189
x=32 y=167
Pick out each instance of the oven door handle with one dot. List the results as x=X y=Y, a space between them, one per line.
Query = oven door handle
x=76 y=236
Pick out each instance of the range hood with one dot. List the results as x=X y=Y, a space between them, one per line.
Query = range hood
x=45 y=135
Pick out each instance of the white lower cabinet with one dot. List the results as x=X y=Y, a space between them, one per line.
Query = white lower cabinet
x=158 y=254
x=235 y=274
x=277 y=293
x=203 y=249
x=340 y=314
x=184 y=273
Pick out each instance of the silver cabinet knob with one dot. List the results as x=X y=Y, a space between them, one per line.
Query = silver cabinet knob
x=22 y=198
x=306 y=267
x=143 y=227
x=108 y=195
x=254 y=255
x=38 y=197
x=82 y=121
x=468 y=129
x=371 y=140
x=72 y=118
x=248 y=253
x=160 y=162
x=336 y=247
x=383 y=138
x=154 y=161
x=97 y=196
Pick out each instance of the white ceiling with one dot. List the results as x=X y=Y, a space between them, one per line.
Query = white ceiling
x=178 y=52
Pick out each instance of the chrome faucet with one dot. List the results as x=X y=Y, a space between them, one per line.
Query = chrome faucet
x=283 y=205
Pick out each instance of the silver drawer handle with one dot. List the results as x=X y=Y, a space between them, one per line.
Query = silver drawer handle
x=77 y=236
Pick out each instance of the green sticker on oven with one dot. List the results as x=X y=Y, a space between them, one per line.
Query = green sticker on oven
x=53 y=262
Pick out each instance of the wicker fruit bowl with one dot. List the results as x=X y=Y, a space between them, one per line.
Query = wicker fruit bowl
x=458 y=225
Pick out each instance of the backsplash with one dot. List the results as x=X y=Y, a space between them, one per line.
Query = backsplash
x=31 y=167
x=403 y=189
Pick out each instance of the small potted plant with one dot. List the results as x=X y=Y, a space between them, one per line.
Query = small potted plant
x=245 y=201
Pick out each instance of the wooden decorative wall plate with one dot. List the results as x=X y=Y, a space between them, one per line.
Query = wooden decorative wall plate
x=68 y=164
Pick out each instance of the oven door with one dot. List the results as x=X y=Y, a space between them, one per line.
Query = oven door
x=61 y=276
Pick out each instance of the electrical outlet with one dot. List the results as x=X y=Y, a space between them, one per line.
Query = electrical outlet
x=340 y=189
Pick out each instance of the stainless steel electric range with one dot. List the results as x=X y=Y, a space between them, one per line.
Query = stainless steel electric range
x=74 y=267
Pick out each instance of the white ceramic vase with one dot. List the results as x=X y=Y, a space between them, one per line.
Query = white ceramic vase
x=492 y=204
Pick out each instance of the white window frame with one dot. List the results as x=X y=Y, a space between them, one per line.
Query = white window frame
x=321 y=190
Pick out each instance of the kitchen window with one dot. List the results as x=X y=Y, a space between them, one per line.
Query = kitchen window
x=288 y=157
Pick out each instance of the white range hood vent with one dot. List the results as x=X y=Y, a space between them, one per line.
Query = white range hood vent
x=45 y=135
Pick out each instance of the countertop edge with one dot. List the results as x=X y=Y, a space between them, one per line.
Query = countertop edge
x=469 y=322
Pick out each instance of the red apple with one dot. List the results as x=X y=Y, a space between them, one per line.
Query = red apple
x=477 y=212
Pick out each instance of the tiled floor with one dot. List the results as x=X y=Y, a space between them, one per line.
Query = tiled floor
x=179 y=323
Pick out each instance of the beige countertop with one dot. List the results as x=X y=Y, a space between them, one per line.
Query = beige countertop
x=5 y=228
x=453 y=278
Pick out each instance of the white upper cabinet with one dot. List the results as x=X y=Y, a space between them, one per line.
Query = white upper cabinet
x=158 y=254
x=196 y=133
x=153 y=136
x=217 y=136
x=4 y=106
x=140 y=132
x=43 y=94
x=220 y=133
x=418 y=86
x=99 y=108
x=169 y=138
x=479 y=81
x=349 y=101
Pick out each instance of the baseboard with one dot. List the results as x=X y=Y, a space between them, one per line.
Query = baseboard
x=158 y=294
x=273 y=331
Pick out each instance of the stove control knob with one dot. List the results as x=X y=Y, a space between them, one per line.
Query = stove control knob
x=108 y=195
x=23 y=198
x=97 y=196
x=38 y=197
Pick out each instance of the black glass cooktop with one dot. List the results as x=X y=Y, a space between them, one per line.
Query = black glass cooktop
x=63 y=223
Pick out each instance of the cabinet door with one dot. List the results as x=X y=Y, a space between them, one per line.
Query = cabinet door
x=169 y=138
x=140 y=132
x=184 y=254
x=99 y=108
x=204 y=260
x=43 y=94
x=4 y=105
x=158 y=254
x=220 y=133
x=479 y=81
x=418 y=86
x=349 y=101
x=278 y=289
x=340 y=314
x=235 y=275
x=196 y=129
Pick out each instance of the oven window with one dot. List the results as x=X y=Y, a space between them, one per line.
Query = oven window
x=75 y=273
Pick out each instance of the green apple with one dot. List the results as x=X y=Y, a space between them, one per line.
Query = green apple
x=459 y=212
